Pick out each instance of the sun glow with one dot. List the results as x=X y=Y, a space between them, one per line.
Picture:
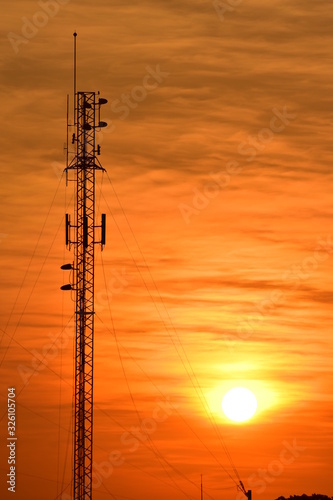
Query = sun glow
x=239 y=404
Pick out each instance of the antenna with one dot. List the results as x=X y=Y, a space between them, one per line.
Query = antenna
x=75 y=36
x=241 y=488
x=201 y=489
x=84 y=166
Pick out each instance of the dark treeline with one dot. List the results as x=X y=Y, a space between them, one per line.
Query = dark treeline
x=314 y=496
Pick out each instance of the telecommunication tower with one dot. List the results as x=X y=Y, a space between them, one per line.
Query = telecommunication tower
x=81 y=235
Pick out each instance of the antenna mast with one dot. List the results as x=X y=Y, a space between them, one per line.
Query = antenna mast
x=84 y=165
x=248 y=493
x=74 y=100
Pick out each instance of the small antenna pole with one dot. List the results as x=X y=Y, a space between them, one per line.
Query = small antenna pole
x=75 y=35
x=201 y=489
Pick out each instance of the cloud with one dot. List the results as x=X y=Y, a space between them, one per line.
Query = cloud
x=224 y=79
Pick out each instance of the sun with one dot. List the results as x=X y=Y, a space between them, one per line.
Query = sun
x=239 y=404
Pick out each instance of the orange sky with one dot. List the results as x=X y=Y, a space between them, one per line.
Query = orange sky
x=219 y=250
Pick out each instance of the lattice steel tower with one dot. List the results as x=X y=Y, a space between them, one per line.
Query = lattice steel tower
x=81 y=170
